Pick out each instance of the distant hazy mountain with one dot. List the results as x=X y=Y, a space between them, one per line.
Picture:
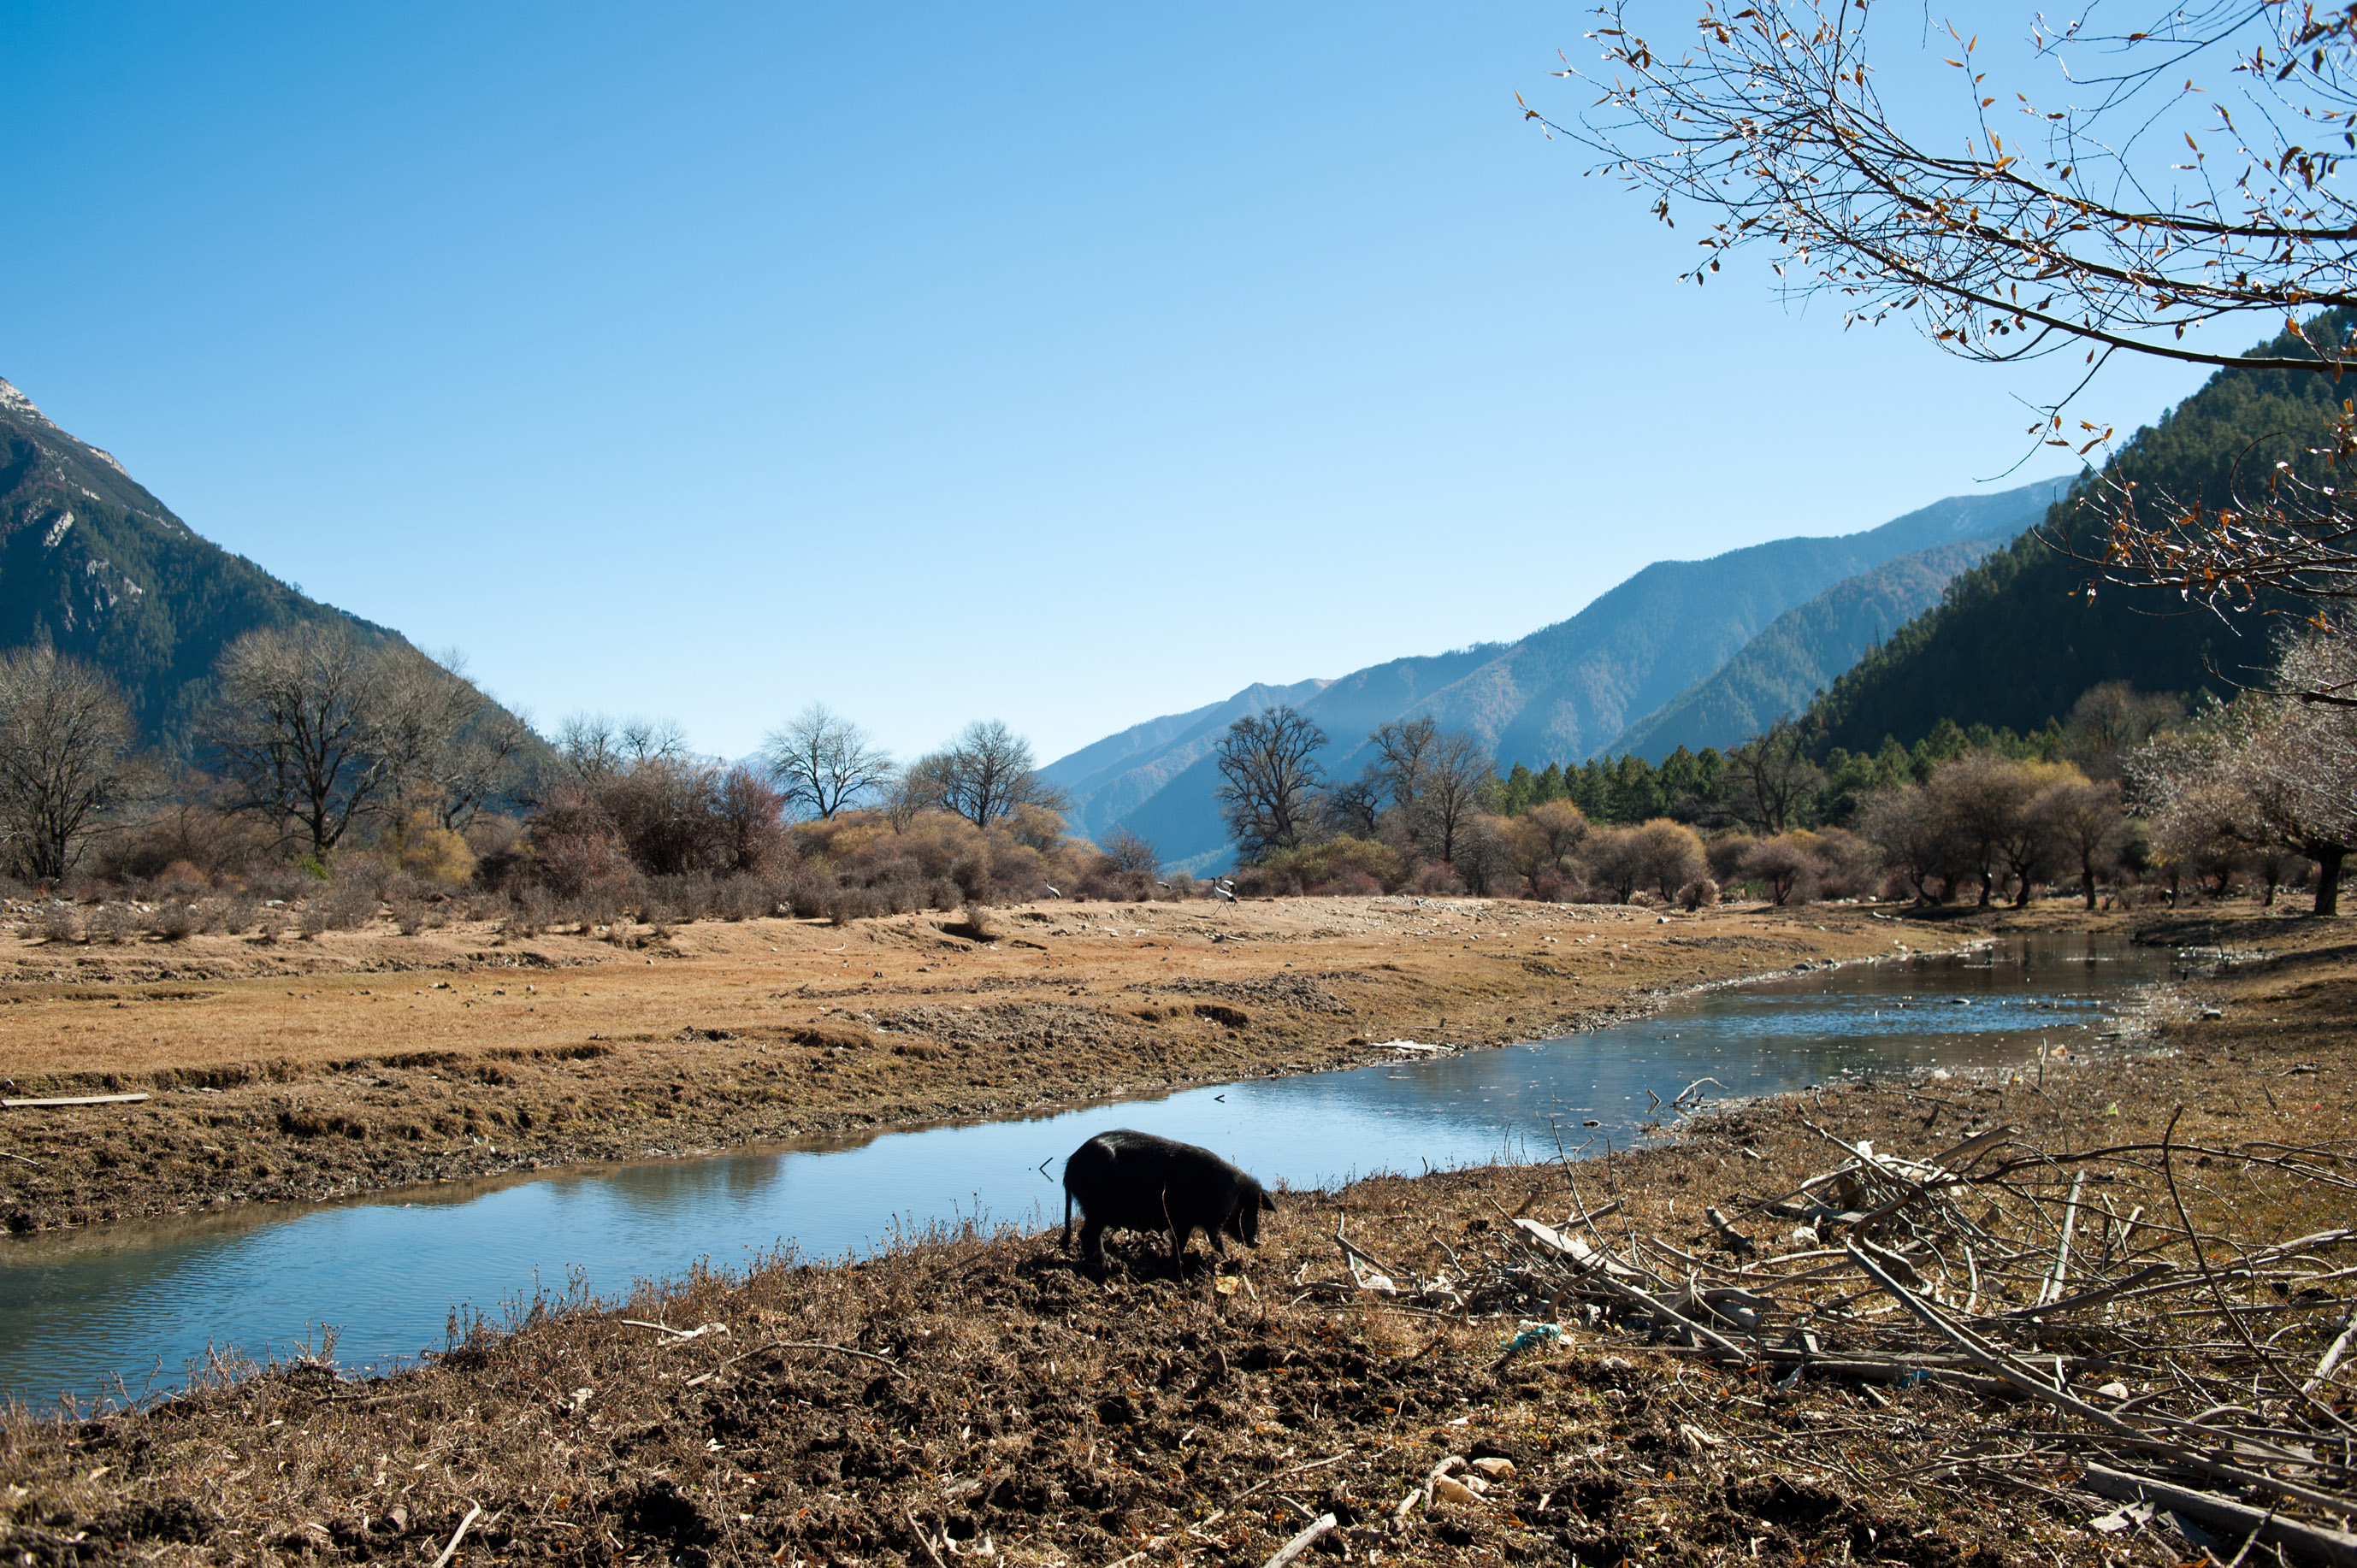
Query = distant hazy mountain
x=1559 y=695
x=94 y=566
x=1804 y=650
x=1111 y=778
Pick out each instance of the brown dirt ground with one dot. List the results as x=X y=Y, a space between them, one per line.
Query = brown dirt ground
x=1030 y=1414
x=356 y=1061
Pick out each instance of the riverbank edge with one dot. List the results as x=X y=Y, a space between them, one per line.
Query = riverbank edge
x=555 y=1154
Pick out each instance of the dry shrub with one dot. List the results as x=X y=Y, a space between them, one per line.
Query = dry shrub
x=1614 y=860
x=229 y=913
x=975 y=925
x=696 y=895
x=57 y=922
x=175 y=920
x=420 y=847
x=1562 y=886
x=534 y=911
x=183 y=836
x=911 y=897
x=1700 y=892
x=1786 y=867
x=1725 y=854
x=809 y=892
x=344 y=904
x=1438 y=879
x=851 y=904
x=744 y=899
x=182 y=881
x=1016 y=860
x=116 y=923
x=577 y=848
x=972 y=873
x=1848 y=867
x=267 y=880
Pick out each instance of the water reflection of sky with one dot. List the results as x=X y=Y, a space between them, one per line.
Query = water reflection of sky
x=74 y=1309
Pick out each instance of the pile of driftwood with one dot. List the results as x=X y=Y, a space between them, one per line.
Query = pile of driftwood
x=2168 y=1367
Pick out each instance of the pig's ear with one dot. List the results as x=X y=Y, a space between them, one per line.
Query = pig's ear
x=1268 y=1202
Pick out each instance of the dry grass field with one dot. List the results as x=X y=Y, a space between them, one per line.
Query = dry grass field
x=309 y=1068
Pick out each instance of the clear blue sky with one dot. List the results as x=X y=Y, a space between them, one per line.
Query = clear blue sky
x=1064 y=364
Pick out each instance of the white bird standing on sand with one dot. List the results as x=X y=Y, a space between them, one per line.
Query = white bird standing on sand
x=1053 y=894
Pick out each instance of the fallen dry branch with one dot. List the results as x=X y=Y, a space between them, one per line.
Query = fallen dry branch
x=2336 y=1546
x=2173 y=1353
x=70 y=1099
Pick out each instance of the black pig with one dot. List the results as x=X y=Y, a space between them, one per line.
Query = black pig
x=1137 y=1181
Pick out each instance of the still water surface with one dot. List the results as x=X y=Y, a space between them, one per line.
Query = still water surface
x=144 y=1300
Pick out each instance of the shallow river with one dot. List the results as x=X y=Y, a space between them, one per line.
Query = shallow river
x=146 y=1300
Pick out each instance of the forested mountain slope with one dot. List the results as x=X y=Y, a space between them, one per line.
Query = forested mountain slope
x=1778 y=673
x=2015 y=639
x=94 y=566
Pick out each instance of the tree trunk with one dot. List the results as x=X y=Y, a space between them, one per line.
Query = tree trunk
x=2087 y=881
x=2328 y=878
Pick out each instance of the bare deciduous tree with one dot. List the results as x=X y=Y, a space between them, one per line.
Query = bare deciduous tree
x=1615 y=860
x=2296 y=759
x=2080 y=230
x=2272 y=770
x=1354 y=809
x=1913 y=838
x=822 y=762
x=1771 y=779
x=485 y=760
x=985 y=773
x=65 y=759
x=2111 y=720
x=2199 y=819
x=1130 y=854
x=592 y=745
x=1269 y=780
x=2026 y=842
x=1455 y=778
x=1784 y=867
x=920 y=787
x=1541 y=839
x=2082 y=818
x=1403 y=753
x=449 y=747
x=2190 y=176
x=297 y=729
x=1673 y=855
x=1982 y=799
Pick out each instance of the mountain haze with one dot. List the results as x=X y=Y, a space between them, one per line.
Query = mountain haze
x=1778 y=673
x=1562 y=692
